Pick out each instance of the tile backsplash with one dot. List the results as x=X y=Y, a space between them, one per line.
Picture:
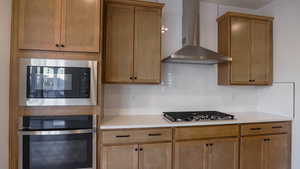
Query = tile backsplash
x=183 y=87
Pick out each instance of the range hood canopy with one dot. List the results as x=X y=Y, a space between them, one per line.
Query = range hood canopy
x=196 y=55
x=192 y=52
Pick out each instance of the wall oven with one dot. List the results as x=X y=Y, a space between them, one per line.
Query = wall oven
x=56 y=82
x=61 y=142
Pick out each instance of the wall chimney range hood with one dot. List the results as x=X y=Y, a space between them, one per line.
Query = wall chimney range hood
x=192 y=52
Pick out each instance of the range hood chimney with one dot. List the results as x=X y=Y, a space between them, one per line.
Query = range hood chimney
x=192 y=52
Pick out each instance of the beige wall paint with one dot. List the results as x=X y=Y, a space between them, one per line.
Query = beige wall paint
x=5 y=20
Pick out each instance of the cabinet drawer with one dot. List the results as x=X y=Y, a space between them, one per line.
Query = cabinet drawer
x=188 y=133
x=265 y=128
x=136 y=136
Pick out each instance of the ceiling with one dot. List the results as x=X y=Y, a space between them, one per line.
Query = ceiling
x=251 y=4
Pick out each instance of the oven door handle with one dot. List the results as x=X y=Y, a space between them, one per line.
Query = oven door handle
x=56 y=132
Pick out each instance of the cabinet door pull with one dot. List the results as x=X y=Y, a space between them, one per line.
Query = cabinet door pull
x=141 y=149
x=131 y=78
x=62 y=46
x=121 y=136
x=255 y=129
x=135 y=78
x=154 y=134
x=57 y=45
x=136 y=149
x=267 y=139
x=276 y=127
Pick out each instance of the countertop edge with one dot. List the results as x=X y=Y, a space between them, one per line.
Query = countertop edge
x=174 y=125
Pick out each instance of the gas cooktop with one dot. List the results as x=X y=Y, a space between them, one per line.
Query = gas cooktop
x=197 y=116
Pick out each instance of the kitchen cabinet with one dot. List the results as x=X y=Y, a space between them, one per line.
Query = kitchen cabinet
x=259 y=152
x=133 y=42
x=122 y=156
x=59 y=25
x=142 y=156
x=207 y=154
x=155 y=156
x=248 y=40
x=232 y=146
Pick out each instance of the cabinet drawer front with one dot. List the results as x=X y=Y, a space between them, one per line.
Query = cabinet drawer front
x=265 y=128
x=188 y=133
x=136 y=136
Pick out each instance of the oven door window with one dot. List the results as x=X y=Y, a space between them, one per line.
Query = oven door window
x=57 y=151
x=58 y=82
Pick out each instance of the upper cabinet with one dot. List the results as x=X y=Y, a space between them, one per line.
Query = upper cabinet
x=59 y=25
x=133 y=41
x=248 y=39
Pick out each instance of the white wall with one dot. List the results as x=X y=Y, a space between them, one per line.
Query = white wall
x=287 y=56
x=5 y=16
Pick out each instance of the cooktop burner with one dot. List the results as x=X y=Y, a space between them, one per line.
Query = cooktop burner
x=197 y=116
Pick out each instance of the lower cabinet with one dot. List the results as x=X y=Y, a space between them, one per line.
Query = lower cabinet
x=207 y=154
x=265 y=152
x=137 y=156
x=120 y=157
x=245 y=146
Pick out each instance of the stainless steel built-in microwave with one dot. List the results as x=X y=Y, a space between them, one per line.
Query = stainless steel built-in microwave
x=56 y=82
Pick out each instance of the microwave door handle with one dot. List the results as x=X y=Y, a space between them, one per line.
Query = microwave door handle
x=56 y=132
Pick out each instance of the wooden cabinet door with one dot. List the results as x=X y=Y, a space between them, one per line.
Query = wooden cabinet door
x=261 y=52
x=240 y=50
x=39 y=24
x=120 y=157
x=251 y=153
x=147 y=45
x=155 y=156
x=278 y=152
x=223 y=154
x=190 y=155
x=265 y=152
x=80 y=25
x=119 y=43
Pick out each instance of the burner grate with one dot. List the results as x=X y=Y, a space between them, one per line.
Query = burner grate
x=197 y=116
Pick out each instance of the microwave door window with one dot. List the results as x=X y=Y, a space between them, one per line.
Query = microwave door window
x=58 y=82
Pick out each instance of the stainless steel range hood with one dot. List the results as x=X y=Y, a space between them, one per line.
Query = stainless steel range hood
x=192 y=52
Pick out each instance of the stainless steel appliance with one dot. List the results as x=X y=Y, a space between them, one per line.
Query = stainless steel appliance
x=197 y=116
x=192 y=52
x=56 y=82
x=57 y=142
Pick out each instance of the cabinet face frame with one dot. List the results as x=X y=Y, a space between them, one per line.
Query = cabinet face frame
x=225 y=71
x=59 y=30
x=116 y=58
x=70 y=41
x=141 y=155
x=134 y=72
x=36 y=43
x=259 y=150
x=147 y=52
x=129 y=150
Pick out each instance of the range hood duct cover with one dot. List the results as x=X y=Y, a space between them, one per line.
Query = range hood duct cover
x=192 y=52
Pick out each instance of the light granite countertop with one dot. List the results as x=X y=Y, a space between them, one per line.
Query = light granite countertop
x=157 y=121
